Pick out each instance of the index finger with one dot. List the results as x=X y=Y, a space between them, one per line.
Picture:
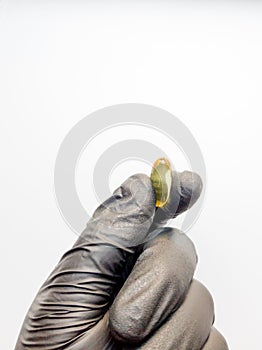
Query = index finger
x=80 y=289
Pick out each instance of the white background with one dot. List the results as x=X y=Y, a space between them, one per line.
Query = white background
x=201 y=61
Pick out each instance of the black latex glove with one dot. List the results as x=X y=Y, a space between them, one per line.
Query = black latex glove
x=127 y=281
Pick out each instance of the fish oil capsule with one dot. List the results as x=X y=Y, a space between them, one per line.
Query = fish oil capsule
x=161 y=178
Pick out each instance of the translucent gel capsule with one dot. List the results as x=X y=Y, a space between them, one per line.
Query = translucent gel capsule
x=161 y=177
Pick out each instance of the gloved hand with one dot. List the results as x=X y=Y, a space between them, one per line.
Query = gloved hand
x=127 y=283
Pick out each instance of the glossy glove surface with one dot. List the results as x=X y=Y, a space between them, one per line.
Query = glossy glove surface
x=127 y=283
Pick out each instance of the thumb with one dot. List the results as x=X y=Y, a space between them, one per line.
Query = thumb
x=82 y=286
x=185 y=190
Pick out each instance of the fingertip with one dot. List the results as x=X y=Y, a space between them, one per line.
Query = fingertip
x=191 y=186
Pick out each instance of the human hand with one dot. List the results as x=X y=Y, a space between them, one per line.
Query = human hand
x=127 y=283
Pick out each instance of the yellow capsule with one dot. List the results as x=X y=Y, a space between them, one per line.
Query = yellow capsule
x=161 y=178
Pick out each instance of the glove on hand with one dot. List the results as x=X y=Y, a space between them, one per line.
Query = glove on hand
x=127 y=283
